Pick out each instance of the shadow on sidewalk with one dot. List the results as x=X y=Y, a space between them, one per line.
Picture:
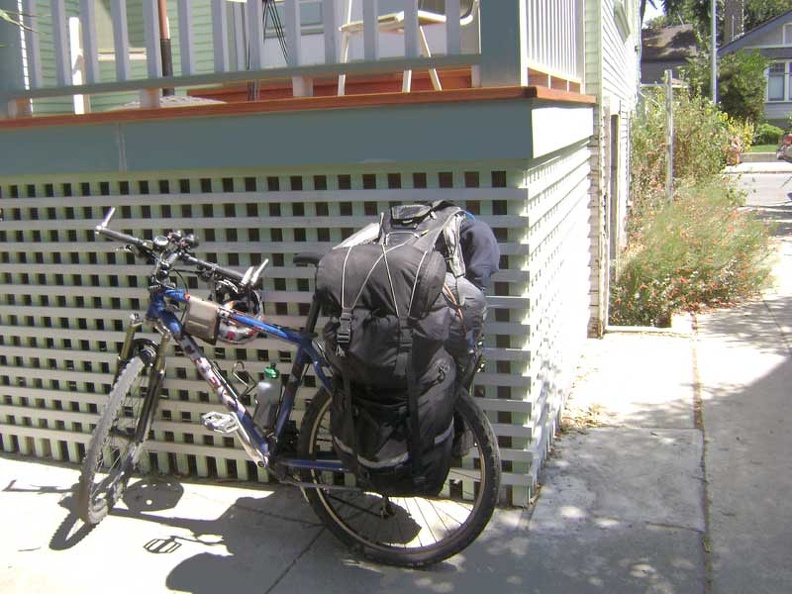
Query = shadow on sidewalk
x=758 y=324
x=273 y=536
x=779 y=217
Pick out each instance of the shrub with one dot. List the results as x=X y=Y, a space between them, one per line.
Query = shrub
x=767 y=134
x=705 y=140
x=742 y=84
x=701 y=250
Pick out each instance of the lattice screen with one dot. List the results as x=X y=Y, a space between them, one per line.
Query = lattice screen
x=67 y=294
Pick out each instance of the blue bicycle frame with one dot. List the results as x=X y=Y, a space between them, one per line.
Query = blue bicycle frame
x=165 y=252
x=307 y=353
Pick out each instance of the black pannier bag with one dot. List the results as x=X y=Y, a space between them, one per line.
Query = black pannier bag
x=395 y=385
x=379 y=431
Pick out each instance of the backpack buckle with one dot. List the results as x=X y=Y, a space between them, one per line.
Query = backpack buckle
x=344 y=332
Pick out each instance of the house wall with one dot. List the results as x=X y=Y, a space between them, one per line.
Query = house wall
x=612 y=74
x=249 y=194
x=778 y=113
x=654 y=72
x=774 y=37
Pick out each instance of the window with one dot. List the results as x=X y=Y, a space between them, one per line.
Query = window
x=779 y=81
x=788 y=34
x=310 y=16
x=624 y=14
x=135 y=29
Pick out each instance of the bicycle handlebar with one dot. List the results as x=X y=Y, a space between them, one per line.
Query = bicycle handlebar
x=165 y=250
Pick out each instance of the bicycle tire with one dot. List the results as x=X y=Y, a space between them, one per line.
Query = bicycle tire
x=405 y=531
x=115 y=445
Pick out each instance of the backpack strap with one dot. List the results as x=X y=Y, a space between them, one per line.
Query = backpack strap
x=414 y=441
x=404 y=364
x=349 y=415
x=344 y=332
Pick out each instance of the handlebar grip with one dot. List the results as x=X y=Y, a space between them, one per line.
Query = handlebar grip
x=118 y=236
x=220 y=270
x=149 y=248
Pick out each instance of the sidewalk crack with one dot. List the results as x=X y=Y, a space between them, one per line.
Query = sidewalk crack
x=698 y=421
x=785 y=338
x=291 y=565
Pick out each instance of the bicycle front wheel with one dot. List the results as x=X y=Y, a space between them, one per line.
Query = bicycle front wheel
x=406 y=531
x=115 y=445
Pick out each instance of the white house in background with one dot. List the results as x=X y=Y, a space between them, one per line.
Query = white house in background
x=774 y=40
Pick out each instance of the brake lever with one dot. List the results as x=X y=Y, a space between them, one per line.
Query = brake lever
x=255 y=275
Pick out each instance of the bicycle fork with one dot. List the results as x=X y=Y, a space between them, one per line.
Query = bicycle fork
x=153 y=355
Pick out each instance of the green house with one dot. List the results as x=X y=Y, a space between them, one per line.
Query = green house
x=518 y=110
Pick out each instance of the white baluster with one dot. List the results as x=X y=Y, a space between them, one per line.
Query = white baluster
x=90 y=51
x=453 y=28
x=220 y=35
x=330 y=26
x=255 y=19
x=186 y=42
x=120 y=38
x=60 y=39
x=370 y=31
x=302 y=86
x=77 y=63
x=152 y=34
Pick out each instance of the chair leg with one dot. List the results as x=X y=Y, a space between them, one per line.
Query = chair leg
x=427 y=54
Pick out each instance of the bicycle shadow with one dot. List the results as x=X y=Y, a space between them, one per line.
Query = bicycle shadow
x=145 y=495
x=251 y=546
x=71 y=531
x=254 y=543
x=251 y=543
x=207 y=537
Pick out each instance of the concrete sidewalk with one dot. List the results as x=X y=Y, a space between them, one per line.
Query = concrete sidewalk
x=671 y=477
x=772 y=166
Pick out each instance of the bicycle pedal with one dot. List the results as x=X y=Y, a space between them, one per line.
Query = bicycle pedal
x=219 y=422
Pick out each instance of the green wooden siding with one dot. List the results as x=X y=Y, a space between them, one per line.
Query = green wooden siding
x=204 y=56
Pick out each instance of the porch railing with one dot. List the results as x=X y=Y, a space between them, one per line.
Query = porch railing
x=61 y=51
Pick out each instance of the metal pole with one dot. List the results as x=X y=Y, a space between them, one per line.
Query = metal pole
x=714 y=52
x=669 y=93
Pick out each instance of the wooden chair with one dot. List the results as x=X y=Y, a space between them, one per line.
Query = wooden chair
x=430 y=12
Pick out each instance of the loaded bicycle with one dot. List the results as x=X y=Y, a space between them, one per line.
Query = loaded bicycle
x=404 y=531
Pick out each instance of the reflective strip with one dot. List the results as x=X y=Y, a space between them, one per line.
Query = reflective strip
x=390 y=462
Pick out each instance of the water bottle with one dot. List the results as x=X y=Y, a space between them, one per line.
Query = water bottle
x=268 y=393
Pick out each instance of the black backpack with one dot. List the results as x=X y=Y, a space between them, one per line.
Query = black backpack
x=395 y=388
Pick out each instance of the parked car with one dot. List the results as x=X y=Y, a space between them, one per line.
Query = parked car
x=784 y=150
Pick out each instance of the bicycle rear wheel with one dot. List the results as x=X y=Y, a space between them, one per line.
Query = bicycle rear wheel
x=115 y=445
x=405 y=531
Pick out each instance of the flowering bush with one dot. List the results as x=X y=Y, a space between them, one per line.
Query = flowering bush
x=702 y=140
x=701 y=250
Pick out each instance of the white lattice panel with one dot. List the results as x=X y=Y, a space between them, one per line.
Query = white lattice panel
x=66 y=295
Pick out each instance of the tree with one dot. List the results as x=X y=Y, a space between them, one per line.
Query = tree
x=758 y=12
x=742 y=84
x=698 y=13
